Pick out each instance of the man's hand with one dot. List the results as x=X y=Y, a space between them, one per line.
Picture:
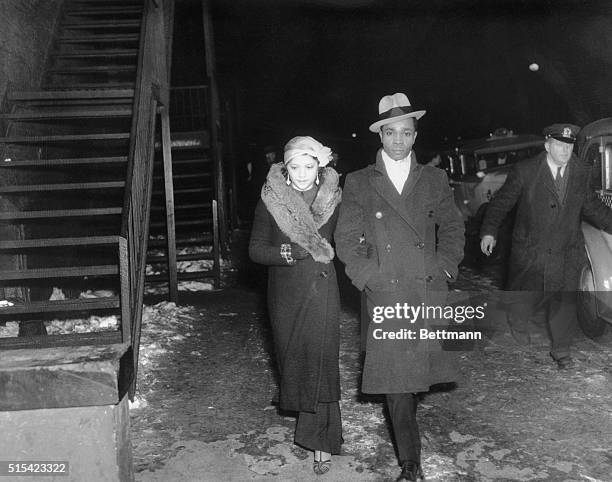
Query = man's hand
x=487 y=243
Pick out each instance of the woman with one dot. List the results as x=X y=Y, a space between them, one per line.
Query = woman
x=293 y=222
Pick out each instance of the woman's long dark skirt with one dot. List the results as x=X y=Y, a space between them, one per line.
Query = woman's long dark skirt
x=321 y=430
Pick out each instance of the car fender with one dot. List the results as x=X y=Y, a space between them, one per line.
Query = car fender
x=598 y=245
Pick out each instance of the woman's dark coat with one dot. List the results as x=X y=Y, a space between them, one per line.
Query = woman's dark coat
x=303 y=304
x=547 y=242
x=416 y=237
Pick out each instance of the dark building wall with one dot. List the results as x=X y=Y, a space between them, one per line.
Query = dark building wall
x=26 y=31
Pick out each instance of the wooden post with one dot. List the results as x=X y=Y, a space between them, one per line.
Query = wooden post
x=169 y=191
x=231 y=155
x=215 y=121
x=124 y=280
x=216 y=253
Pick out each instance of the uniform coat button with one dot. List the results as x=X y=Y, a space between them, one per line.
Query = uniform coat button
x=420 y=244
x=428 y=279
x=388 y=247
x=394 y=281
x=378 y=215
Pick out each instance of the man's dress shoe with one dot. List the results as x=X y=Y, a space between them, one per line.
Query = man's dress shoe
x=565 y=362
x=411 y=471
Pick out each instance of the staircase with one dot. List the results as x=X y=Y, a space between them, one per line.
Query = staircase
x=195 y=234
x=75 y=174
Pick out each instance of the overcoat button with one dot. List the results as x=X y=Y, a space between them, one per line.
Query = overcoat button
x=394 y=281
x=388 y=247
x=430 y=214
x=420 y=244
x=323 y=274
x=553 y=206
x=378 y=215
x=428 y=279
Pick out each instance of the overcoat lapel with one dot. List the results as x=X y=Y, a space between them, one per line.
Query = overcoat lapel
x=415 y=173
x=571 y=171
x=545 y=176
x=381 y=183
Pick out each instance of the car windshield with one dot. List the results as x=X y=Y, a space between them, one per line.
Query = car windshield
x=491 y=153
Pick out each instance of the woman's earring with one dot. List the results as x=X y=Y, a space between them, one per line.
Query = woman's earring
x=317 y=180
x=288 y=182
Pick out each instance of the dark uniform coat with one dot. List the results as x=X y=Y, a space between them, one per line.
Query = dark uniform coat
x=303 y=302
x=547 y=243
x=407 y=265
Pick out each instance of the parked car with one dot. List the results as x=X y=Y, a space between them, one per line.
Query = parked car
x=594 y=306
x=477 y=169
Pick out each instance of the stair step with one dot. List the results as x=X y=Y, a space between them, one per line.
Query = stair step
x=198 y=175
x=59 y=213
x=196 y=240
x=182 y=207
x=97 y=54
x=106 y=24
x=67 y=114
x=58 y=242
x=54 y=341
x=184 y=162
x=186 y=190
x=185 y=276
x=64 y=138
x=88 y=3
x=92 y=69
x=81 y=304
x=179 y=257
x=91 y=85
x=73 y=186
x=63 y=162
x=104 y=11
x=100 y=38
x=185 y=222
x=67 y=272
x=72 y=94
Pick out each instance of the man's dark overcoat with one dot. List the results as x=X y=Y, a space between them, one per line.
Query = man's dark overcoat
x=547 y=242
x=407 y=265
x=303 y=306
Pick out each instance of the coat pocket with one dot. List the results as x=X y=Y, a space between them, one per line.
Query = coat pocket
x=382 y=281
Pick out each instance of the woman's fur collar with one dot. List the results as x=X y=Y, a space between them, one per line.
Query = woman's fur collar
x=300 y=222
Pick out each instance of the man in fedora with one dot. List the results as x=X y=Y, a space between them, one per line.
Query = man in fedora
x=401 y=238
x=553 y=195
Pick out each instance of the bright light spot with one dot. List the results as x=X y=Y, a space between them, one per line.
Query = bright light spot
x=534 y=67
x=353 y=135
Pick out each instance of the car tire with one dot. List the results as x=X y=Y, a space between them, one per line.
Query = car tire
x=592 y=325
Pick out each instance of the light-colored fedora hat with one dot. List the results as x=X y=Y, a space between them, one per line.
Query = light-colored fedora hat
x=392 y=108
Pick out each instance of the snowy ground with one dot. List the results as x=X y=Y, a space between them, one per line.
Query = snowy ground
x=203 y=410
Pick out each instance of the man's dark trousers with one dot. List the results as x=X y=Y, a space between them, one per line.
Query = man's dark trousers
x=402 y=410
x=560 y=312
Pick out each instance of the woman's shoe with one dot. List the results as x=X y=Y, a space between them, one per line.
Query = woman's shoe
x=321 y=467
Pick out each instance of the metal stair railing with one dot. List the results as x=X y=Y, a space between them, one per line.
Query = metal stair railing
x=151 y=91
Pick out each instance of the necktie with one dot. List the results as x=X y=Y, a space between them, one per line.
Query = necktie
x=559 y=179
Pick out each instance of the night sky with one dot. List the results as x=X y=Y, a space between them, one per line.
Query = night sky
x=320 y=67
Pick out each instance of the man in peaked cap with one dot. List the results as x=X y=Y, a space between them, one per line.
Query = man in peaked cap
x=386 y=236
x=553 y=195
